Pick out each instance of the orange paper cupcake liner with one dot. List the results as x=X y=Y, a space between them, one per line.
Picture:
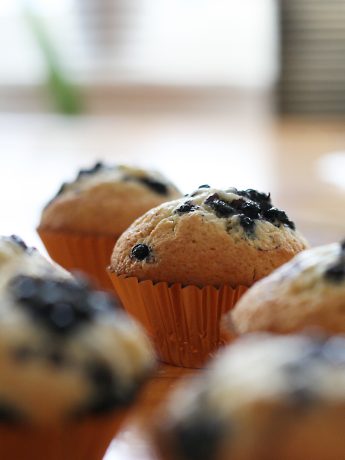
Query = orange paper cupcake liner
x=84 y=440
x=85 y=252
x=184 y=323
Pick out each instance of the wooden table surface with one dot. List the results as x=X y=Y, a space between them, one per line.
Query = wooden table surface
x=302 y=162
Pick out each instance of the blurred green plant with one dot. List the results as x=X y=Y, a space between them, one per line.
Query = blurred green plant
x=65 y=95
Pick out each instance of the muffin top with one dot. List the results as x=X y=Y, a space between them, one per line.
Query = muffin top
x=264 y=397
x=18 y=258
x=307 y=291
x=106 y=199
x=208 y=237
x=66 y=351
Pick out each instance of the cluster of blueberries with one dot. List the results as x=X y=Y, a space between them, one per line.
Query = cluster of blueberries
x=61 y=306
x=199 y=436
x=19 y=242
x=156 y=186
x=257 y=206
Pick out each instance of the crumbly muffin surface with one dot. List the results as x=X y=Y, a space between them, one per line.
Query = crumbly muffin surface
x=18 y=258
x=208 y=237
x=308 y=291
x=106 y=199
x=66 y=351
x=265 y=397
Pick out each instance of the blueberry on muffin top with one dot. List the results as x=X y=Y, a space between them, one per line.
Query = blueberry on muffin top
x=257 y=398
x=18 y=240
x=208 y=237
x=308 y=291
x=13 y=245
x=66 y=351
x=103 y=172
x=61 y=306
x=249 y=205
x=106 y=199
x=336 y=271
x=16 y=257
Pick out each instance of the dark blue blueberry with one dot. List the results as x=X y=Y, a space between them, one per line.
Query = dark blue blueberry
x=25 y=288
x=301 y=397
x=237 y=204
x=256 y=196
x=198 y=438
x=274 y=214
x=62 y=314
x=17 y=239
x=264 y=206
x=107 y=392
x=248 y=208
x=221 y=207
x=204 y=186
x=247 y=223
x=57 y=194
x=251 y=209
x=101 y=376
x=61 y=189
x=277 y=216
x=336 y=273
x=186 y=207
x=298 y=378
x=83 y=172
x=256 y=206
x=155 y=185
x=62 y=306
x=10 y=415
x=140 y=251
x=97 y=167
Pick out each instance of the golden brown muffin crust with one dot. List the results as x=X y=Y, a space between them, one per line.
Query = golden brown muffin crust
x=308 y=291
x=106 y=199
x=193 y=241
x=263 y=398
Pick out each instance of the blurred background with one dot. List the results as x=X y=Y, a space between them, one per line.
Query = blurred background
x=227 y=92
x=244 y=93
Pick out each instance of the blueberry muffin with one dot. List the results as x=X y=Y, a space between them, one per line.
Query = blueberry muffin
x=307 y=291
x=81 y=224
x=216 y=243
x=209 y=237
x=71 y=364
x=265 y=397
x=106 y=199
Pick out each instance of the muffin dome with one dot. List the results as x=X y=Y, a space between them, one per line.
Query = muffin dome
x=208 y=237
x=66 y=351
x=106 y=199
x=18 y=258
x=11 y=247
x=307 y=291
x=264 y=397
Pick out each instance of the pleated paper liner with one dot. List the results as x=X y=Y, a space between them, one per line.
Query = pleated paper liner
x=184 y=323
x=83 y=440
x=89 y=253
